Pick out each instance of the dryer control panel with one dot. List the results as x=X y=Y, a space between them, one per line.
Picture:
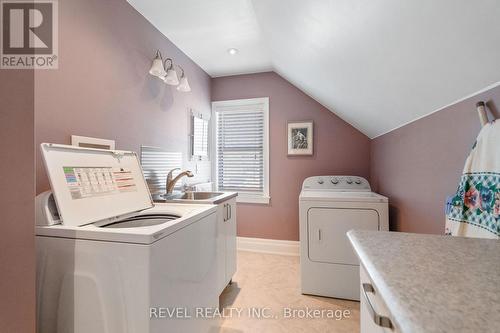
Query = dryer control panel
x=337 y=183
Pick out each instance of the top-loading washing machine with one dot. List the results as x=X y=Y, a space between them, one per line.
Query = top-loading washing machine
x=329 y=206
x=108 y=259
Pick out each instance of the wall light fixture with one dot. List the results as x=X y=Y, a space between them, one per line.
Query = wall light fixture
x=184 y=84
x=169 y=76
x=157 y=68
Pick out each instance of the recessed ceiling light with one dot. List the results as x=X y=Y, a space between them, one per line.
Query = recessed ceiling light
x=232 y=51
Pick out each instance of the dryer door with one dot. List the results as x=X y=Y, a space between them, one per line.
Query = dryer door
x=327 y=228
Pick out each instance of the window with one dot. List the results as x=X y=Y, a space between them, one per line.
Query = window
x=241 y=148
x=156 y=163
x=199 y=136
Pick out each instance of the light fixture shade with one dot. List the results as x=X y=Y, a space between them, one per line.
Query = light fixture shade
x=171 y=77
x=184 y=85
x=157 y=68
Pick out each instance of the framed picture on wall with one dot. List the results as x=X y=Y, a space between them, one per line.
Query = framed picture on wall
x=300 y=138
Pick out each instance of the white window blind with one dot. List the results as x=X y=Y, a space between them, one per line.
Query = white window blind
x=156 y=163
x=241 y=146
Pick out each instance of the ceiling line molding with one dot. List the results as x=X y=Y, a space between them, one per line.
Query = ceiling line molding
x=489 y=87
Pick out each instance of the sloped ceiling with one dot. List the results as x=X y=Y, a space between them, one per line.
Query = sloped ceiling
x=378 y=64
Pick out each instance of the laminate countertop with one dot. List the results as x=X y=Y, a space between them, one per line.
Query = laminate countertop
x=434 y=283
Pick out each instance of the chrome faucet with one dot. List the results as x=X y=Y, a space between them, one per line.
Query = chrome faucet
x=171 y=182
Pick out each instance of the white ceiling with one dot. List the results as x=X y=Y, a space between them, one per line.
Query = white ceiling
x=378 y=64
x=206 y=29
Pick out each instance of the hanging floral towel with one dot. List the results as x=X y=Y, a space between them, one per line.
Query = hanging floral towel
x=474 y=210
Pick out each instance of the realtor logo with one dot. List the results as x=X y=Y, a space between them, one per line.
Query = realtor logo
x=29 y=37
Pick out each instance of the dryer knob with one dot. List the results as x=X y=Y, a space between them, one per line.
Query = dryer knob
x=335 y=181
x=349 y=181
x=320 y=181
x=358 y=181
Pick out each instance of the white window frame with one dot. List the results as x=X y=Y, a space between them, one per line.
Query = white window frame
x=244 y=197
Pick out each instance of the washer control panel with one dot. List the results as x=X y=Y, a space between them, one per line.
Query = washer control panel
x=337 y=183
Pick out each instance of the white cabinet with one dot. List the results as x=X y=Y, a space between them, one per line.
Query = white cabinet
x=374 y=317
x=226 y=242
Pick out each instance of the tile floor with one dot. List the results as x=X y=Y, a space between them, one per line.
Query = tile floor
x=272 y=283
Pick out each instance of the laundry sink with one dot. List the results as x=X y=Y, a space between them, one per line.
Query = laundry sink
x=200 y=195
x=191 y=197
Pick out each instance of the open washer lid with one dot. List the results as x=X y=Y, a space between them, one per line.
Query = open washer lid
x=91 y=185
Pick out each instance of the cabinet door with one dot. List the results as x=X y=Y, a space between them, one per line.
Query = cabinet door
x=230 y=227
x=327 y=228
x=221 y=246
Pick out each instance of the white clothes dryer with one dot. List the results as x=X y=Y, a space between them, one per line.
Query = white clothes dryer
x=330 y=206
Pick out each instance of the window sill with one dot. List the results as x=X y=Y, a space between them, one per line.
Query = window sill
x=245 y=198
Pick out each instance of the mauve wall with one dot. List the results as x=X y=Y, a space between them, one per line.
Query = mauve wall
x=338 y=149
x=418 y=165
x=103 y=89
x=17 y=179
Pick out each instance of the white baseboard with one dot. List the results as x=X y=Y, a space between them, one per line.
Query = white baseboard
x=271 y=246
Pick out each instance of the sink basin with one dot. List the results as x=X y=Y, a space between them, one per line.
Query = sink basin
x=193 y=196
x=200 y=195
